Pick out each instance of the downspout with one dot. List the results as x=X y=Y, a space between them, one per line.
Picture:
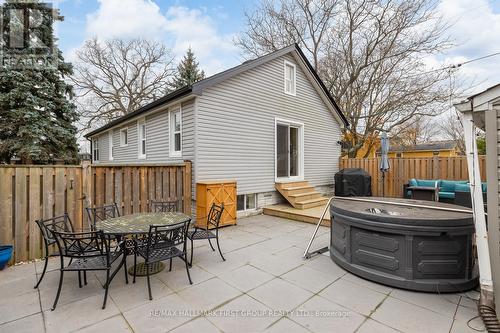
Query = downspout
x=486 y=306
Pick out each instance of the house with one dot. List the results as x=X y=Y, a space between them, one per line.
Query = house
x=482 y=110
x=445 y=148
x=267 y=121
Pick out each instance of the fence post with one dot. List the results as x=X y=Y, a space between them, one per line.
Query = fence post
x=435 y=167
x=187 y=188
x=87 y=183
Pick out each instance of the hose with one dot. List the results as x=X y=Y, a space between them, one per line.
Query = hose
x=489 y=316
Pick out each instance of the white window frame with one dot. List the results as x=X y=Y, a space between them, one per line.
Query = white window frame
x=301 y=127
x=294 y=83
x=95 y=148
x=141 y=137
x=111 y=146
x=171 y=126
x=122 y=143
x=245 y=202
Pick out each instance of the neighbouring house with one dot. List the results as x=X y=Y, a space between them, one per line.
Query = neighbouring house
x=445 y=148
x=264 y=123
x=483 y=110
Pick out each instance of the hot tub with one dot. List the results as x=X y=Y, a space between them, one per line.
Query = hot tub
x=413 y=248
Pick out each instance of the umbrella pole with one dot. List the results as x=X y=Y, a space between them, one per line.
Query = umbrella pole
x=383 y=183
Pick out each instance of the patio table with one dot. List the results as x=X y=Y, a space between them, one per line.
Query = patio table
x=138 y=224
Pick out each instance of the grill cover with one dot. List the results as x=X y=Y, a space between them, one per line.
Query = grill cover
x=352 y=183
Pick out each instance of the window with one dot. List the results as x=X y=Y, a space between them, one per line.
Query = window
x=141 y=128
x=175 y=132
x=289 y=78
x=95 y=150
x=124 y=137
x=111 y=148
x=399 y=155
x=246 y=201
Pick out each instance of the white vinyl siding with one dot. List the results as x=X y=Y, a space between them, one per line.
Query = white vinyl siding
x=236 y=128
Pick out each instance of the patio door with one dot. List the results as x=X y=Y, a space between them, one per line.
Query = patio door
x=289 y=150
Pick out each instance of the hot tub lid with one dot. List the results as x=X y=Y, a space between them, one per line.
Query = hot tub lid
x=389 y=212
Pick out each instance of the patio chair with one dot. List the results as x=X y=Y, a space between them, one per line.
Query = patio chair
x=162 y=244
x=163 y=206
x=213 y=220
x=89 y=251
x=101 y=213
x=47 y=226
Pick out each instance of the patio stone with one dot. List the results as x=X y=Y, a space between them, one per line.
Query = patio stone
x=276 y=265
x=15 y=287
x=212 y=262
x=409 y=318
x=280 y=295
x=15 y=272
x=325 y=265
x=320 y=315
x=368 y=284
x=159 y=315
x=177 y=279
x=467 y=310
x=79 y=314
x=371 y=326
x=209 y=294
x=199 y=324
x=309 y=279
x=129 y=296
x=116 y=324
x=230 y=317
x=70 y=291
x=246 y=277
x=285 y=325
x=33 y=323
x=16 y=307
x=354 y=297
x=445 y=304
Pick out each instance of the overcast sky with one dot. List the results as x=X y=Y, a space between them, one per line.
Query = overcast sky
x=209 y=27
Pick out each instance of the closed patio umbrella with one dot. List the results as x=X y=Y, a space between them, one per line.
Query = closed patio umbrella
x=384 y=161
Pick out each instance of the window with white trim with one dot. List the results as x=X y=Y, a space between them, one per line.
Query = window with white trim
x=176 y=132
x=290 y=76
x=95 y=150
x=111 y=147
x=141 y=129
x=246 y=201
x=124 y=137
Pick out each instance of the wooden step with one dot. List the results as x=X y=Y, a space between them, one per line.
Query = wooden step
x=311 y=203
x=304 y=196
x=284 y=185
x=298 y=189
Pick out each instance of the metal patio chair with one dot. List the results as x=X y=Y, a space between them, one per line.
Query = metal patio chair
x=163 y=206
x=47 y=227
x=89 y=251
x=164 y=242
x=101 y=213
x=213 y=220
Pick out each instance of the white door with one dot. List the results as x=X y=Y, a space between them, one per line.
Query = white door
x=289 y=150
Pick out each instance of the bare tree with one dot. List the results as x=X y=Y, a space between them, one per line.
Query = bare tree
x=115 y=77
x=452 y=129
x=369 y=53
x=418 y=130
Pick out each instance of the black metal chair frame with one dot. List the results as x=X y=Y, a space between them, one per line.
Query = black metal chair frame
x=101 y=213
x=89 y=251
x=47 y=226
x=163 y=243
x=213 y=219
x=163 y=206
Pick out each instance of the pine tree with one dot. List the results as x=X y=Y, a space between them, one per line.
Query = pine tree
x=36 y=115
x=188 y=71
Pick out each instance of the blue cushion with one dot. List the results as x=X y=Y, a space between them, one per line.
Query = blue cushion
x=462 y=188
x=447 y=195
x=412 y=182
x=448 y=186
x=428 y=183
x=484 y=187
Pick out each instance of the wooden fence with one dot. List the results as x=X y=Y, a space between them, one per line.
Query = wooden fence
x=28 y=193
x=403 y=169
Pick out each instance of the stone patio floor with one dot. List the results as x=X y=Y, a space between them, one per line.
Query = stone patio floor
x=264 y=285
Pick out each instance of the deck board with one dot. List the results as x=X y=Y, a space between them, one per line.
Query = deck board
x=309 y=215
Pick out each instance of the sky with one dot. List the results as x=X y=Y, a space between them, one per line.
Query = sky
x=210 y=27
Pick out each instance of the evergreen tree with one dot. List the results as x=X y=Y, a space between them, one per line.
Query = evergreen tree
x=188 y=71
x=36 y=115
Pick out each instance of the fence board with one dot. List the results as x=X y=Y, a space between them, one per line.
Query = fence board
x=403 y=169
x=32 y=192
